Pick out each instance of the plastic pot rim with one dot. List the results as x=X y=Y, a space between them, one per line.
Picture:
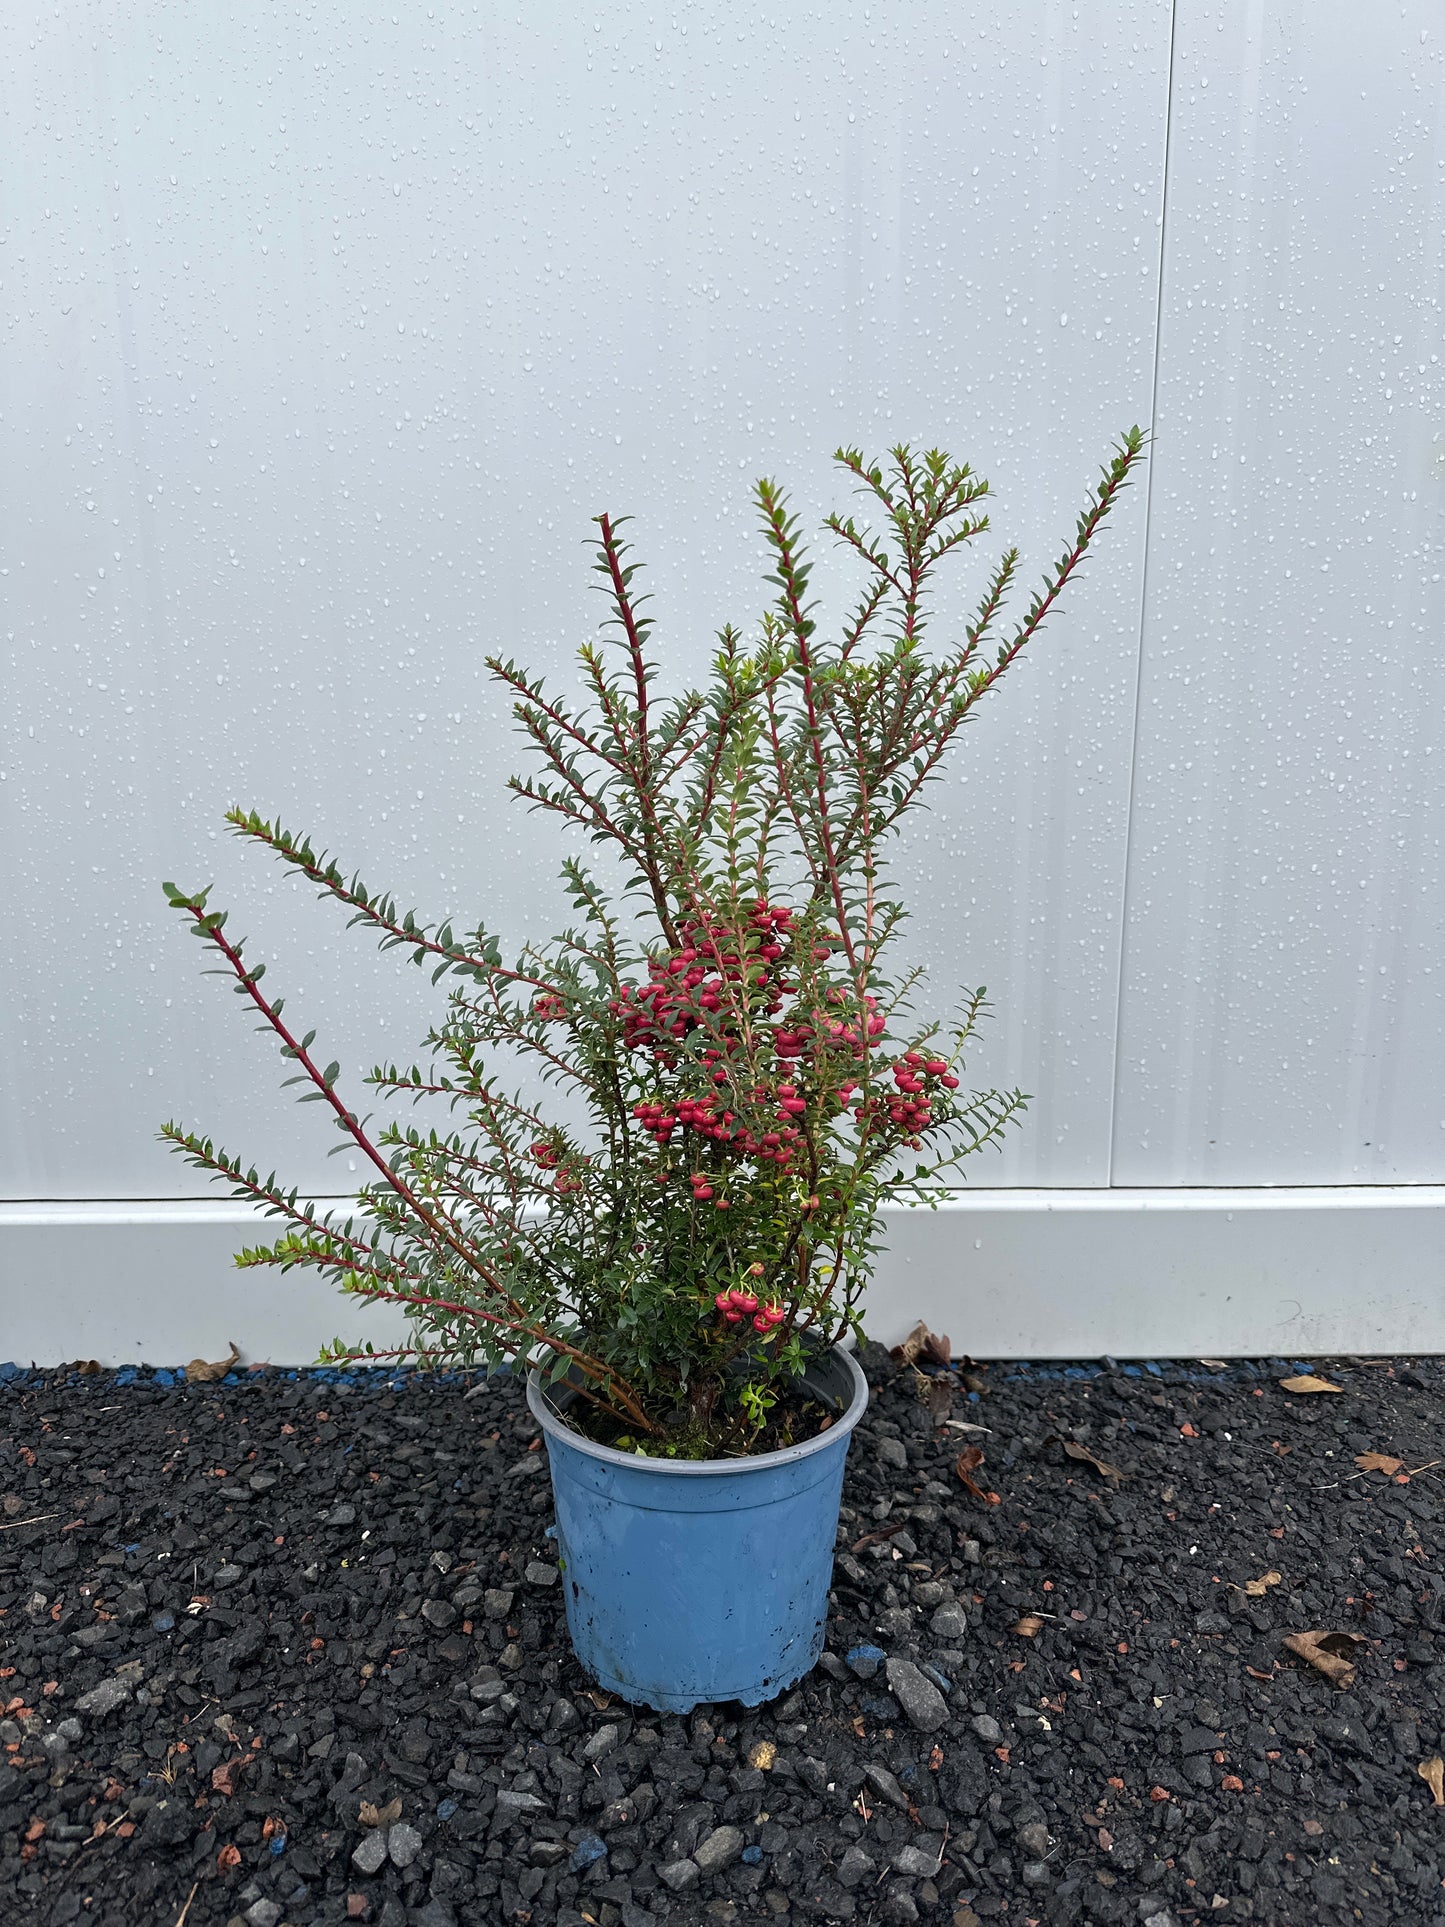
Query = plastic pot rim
x=555 y=1426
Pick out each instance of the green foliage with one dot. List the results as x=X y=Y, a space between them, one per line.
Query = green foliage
x=754 y=1084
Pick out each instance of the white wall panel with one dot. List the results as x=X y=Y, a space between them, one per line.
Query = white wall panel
x=1010 y=1273
x=1283 y=1015
x=326 y=333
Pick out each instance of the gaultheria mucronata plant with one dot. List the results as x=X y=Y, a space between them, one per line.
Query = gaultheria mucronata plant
x=747 y=1081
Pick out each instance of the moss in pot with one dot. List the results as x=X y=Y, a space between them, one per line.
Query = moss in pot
x=744 y=1081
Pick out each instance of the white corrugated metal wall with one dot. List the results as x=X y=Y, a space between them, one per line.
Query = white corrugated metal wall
x=326 y=331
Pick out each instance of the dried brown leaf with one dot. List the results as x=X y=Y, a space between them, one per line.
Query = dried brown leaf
x=201 y=1371
x=375 y=1816
x=940 y=1400
x=1307 y=1382
x=921 y=1343
x=1215 y=1364
x=1377 y=1462
x=1330 y=1653
x=964 y=1466
x=1029 y=1626
x=1432 y=1772
x=1257 y=1588
x=882 y=1532
x=1082 y=1453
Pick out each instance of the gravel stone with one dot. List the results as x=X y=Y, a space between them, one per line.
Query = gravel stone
x=262 y=1913
x=865 y=1660
x=855 y=1866
x=370 y=1854
x=540 y=1574
x=679 y=1875
x=403 y=1844
x=1033 y=1837
x=914 y=1861
x=950 y=1624
x=893 y=1452
x=511 y=1806
x=110 y=1695
x=919 y=1697
x=722 y=1846
x=885 y=1784
x=987 y=1728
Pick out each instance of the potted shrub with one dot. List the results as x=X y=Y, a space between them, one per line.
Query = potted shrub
x=670 y=1227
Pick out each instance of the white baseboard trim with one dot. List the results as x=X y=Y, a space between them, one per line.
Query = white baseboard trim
x=1006 y=1274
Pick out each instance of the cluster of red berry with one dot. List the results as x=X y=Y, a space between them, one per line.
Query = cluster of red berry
x=835 y=1032
x=546 y=1155
x=735 y=1306
x=658 y=1014
x=907 y=1107
x=699 y=978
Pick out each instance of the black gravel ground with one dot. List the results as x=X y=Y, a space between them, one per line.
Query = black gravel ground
x=290 y=1650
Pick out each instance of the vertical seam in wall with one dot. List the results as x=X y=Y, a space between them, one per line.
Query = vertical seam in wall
x=1129 y=807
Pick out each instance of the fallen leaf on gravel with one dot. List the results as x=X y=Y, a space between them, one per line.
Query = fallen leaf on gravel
x=1257 y=1588
x=375 y=1816
x=939 y=1399
x=965 y=1465
x=1377 y=1462
x=1332 y=1654
x=1432 y=1772
x=229 y=1856
x=922 y=1343
x=1216 y=1364
x=1081 y=1452
x=963 y=1425
x=883 y=1532
x=1307 y=1382
x=1028 y=1627
x=201 y=1371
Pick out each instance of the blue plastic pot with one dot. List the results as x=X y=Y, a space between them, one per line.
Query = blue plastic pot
x=695 y=1581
